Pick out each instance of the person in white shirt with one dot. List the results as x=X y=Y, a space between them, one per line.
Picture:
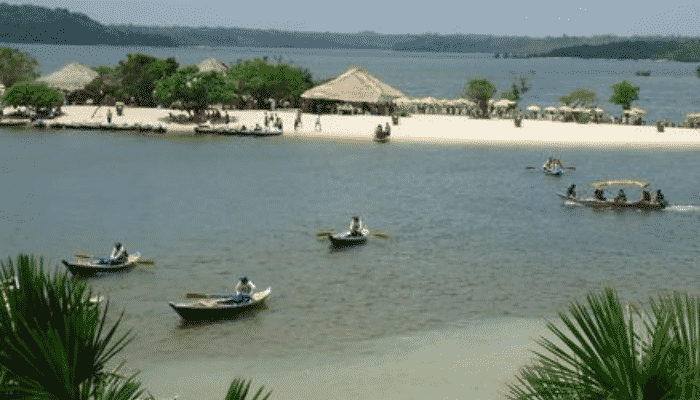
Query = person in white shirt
x=118 y=254
x=355 y=227
x=244 y=288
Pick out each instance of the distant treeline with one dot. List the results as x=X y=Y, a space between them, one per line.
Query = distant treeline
x=676 y=49
x=33 y=24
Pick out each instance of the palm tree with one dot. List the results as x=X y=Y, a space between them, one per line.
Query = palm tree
x=239 y=390
x=605 y=355
x=54 y=343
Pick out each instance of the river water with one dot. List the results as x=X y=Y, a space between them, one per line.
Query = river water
x=473 y=238
x=671 y=90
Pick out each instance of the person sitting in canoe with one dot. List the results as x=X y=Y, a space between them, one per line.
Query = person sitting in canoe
x=355 y=227
x=646 y=196
x=621 y=197
x=572 y=191
x=118 y=254
x=244 y=289
x=659 y=196
x=599 y=195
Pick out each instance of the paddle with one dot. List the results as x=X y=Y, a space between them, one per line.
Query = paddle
x=377 y=235
x=195 y=295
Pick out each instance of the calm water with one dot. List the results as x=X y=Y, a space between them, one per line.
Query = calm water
x=671 y=91
x=473 y=234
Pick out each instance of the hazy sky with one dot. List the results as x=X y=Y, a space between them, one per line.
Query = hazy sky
x=531 y=18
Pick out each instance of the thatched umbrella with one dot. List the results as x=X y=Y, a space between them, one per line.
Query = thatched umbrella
x=533 y=107
x=74 y=76
x=212 y=64
x=503 y=103
x=355 y=85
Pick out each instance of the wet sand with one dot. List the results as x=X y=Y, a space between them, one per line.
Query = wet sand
x=439 y=129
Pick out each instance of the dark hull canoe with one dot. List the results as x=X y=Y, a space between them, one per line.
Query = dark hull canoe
x=216 y=308
x=638 y=205
x=86 y=268
x=10 y=122
x=345 y=239
x=384 y=139
x=235 y=132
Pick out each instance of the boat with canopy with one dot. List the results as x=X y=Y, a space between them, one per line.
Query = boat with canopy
x=619 y=200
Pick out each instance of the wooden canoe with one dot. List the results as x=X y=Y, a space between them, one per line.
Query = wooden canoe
x=346 y=239
x=91 y=268
x=218 y=307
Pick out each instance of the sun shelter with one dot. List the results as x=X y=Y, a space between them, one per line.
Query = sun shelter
x=72 y=77
x=212 y=65
x=356 y=86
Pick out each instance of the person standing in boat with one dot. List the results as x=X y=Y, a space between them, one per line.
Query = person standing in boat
x=355 y=227
x=572 y=191
x=244 y=288
x=118 y=254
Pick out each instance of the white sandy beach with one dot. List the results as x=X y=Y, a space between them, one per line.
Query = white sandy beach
x=439 y=129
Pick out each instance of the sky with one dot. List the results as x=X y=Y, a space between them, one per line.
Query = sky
x=507 y=17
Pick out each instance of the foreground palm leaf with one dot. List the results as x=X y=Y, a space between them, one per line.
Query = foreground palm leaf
x=604 y=355
x=53 y=340
x=239 y=391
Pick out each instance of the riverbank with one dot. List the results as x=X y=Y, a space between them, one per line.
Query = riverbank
x=439 y=129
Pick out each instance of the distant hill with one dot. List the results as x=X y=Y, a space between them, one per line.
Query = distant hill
x=677 y=49
x=33 y=24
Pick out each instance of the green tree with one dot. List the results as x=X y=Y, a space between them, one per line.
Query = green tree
x=624 y=93
x=16 y=66
x=32 y=94
x=480 y=91
x=262 y=80
x=109 y=81
x=698 y=72
x=608 y=352
x=139 y=74
x=197 y=91
x=584 y=97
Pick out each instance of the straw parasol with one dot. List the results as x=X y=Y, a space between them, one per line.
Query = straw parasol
x=212 y=65
x=403 y=100
x=551 y=109
x=73 y=76
x=355 y=85
x=503 y=103
x=533 y=107
x=565 y=108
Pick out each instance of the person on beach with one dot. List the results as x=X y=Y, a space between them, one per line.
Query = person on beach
x=118 y=254
x=318 y=123
x=621 y=197
x=228 y=118
x=267 y=120
x=109 y=115
x=378 y=132
x=244 y=289
x=387 y=129
x=356 y=225
x=572 y=191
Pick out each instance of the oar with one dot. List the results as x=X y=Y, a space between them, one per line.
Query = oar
x=197 y=295
x=570 y=168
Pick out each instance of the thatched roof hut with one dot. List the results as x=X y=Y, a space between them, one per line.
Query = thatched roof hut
x=212 y=64
x=73 y=76
x=355 y=85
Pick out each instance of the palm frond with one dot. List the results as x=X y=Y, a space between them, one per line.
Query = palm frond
x=239 y=390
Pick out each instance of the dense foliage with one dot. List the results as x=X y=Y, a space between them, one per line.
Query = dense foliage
x=263 y=80
x=15 y=66
x=480 y=91
x=579 y=97
x=194 y=90
x=606 y=353
x=139 y=74
x=33 y=94
x=624 y=93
